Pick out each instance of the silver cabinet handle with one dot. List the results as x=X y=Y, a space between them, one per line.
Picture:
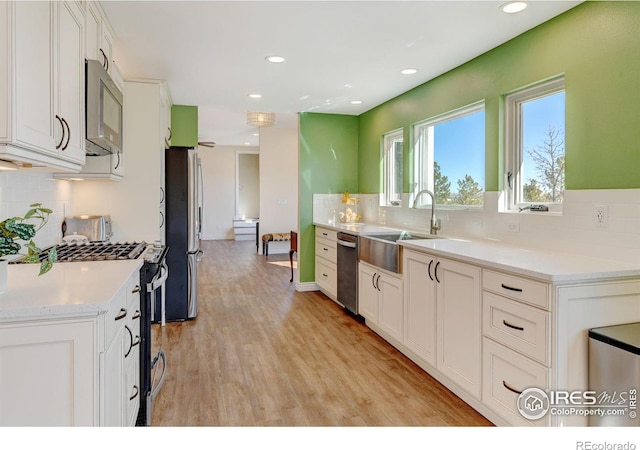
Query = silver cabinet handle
x=135 y=290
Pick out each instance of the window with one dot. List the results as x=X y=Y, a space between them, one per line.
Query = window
x=392 y=151
x=449 y=157
x=534 y=145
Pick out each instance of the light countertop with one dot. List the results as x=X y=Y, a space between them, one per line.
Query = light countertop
x=545 y=265
x=68 y=289
x=555 y=267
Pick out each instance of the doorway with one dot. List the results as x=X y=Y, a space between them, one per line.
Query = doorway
x=247 y=184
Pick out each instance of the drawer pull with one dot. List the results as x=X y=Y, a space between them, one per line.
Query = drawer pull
x=435 y=271
x=429 y=270
x=136 y=393
x=325 y=249
x=504 y=286
x=122 y=315
x=514 y=390
x=135 y=290
x=325 y=234
x=515 y=327
x=325 y=275
x=136 y=315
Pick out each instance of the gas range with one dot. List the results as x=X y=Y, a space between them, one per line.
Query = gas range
x=104 y=251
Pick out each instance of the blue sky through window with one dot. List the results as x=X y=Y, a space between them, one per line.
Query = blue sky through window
x=460 y=148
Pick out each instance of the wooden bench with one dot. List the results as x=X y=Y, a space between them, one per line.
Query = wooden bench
x=270 y=237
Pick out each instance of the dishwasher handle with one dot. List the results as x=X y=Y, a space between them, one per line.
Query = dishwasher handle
x=347 y=244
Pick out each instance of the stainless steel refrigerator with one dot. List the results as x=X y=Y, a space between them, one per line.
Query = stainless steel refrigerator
x=184 y=190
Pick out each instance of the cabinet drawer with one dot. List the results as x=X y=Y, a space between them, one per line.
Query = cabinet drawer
x=516 y=287
x=518 y=326
x=505 y=371
x=326 y=277
x=327 y=250
x=325 y=233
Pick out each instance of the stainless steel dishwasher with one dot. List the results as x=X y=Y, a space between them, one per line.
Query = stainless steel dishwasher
x=348 y=271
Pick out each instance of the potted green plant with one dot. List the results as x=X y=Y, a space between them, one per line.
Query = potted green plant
x=17 y=229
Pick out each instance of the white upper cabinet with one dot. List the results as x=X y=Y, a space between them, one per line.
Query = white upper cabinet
x=42 y=101
x=99 y=37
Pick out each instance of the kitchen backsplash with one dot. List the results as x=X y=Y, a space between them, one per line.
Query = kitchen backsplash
x=18 y=190
x=575 y=230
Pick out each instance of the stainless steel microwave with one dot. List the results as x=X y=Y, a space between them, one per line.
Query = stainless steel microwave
x=103 y=111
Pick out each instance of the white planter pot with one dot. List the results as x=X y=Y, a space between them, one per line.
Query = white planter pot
x=4 y=263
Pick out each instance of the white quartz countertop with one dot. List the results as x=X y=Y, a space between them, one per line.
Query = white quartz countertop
x=545 y=265
x=555 y=267
x=357 y=228
x=68 y=289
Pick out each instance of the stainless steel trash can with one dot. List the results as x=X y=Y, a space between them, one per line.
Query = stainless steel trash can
x=614 y=374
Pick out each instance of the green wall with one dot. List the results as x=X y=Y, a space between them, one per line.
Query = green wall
x=596 y=45
x=328 y=165
x=184 y=126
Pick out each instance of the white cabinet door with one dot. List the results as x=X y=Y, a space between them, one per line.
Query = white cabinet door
x=390 y=313
x=459 y=328
x=113 y=382
x=49 y=374
x=420 y=305
x=93 y=31
x=106 y=48
x=367 y=293
x=70 y=80
x=33 y=65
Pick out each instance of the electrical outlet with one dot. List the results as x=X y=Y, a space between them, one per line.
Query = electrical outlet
x=601 y=215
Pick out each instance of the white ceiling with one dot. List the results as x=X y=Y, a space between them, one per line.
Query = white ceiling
x=212 y=53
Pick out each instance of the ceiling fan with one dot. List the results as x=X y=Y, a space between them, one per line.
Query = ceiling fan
x=209 y=144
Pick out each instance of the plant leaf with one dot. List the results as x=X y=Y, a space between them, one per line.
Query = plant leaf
x=45 y=266
x=53 y=255
x=24 y=231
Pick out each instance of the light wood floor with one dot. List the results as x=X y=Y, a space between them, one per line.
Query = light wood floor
x=261 y=354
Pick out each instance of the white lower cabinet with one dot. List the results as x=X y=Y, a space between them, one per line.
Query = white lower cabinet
x=420 y=306
x=380 y=299
x=443 y=317
x=506 y=375
x=57 y=384
x=80 y=371
x=326 y=261
x=458 y=328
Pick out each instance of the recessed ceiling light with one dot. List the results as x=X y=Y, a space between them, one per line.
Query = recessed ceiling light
x=513 y=7
x=408 y=71
x=275 y=59
x=247 y=143
x=255 y=95
x=256 y=134
x=356 y=102
x=348 y=86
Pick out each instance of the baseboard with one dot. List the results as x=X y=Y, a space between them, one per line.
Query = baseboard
x=217 y=237
x=307 y=286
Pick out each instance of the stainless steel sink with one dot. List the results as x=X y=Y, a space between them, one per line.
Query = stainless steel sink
x=382 y=250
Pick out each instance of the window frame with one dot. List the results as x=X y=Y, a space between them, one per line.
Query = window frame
x=422 y=155
x=513 y=132
x=389 y=165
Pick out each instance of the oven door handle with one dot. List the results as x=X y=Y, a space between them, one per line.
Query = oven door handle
x=156 y=283
x=159 y=279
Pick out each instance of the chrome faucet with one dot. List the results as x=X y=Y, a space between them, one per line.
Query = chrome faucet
x=434 y=225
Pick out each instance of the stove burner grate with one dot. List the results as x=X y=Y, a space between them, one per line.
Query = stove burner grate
x=94 y=251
